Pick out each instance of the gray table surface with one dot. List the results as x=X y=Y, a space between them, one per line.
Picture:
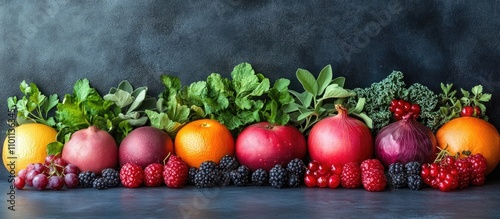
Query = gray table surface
x=252 y=202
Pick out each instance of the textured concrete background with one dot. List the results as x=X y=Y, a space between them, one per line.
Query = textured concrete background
x=54 y=43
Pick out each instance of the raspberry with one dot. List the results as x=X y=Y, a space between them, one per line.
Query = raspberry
x=478 y=164
x=464 y=172
x=371 y=164
x=153 y=175
x=175 y=172
x=351 y=175
x=374 y=180
x=131 y=175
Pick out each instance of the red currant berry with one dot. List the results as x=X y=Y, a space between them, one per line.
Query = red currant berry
x=323 y=181
x=467 y=111
x=310 y=181
x=313 y=166
x=477 y=111
x=334 y=181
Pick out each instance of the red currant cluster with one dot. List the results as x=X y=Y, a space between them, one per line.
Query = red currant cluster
x=401 y=108
x=473 y=111
x=451 y=173
x=55 y=172
x=321 y=175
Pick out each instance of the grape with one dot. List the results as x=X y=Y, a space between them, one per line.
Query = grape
x=29 y=177
x=49 y=159
x=71 y=168
x=56 y=182
x=22 y=173
x=19 y=182
x=30 y=167
x=40 y=181
x=71 y=180
x=40 y=168
x=60 y=163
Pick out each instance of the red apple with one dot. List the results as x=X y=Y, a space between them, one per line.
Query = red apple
x=91 y=149
x=263 y=145
x=145 y=145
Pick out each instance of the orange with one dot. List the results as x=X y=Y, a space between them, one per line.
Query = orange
x=203 y=140
x=471 y=134
x=26 y=144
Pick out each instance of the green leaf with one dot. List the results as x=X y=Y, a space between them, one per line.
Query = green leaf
x=308 y=81
x=125 y=86
x=54 y=148
x=339 y=81
x=368 y=121
x=304 y=115
x=478 y=89
x=359 y=106
x=82 y=89
x=335 y=91
x=137 y=101
x=324 y=78
x=121 y=98
x=485 y=97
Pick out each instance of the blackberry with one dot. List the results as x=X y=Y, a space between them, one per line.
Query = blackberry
x=225 y=178
x=278 y=176
x=228 y=163
x=99 y=183
x=207 y=175
x=413 y=168
x=398 y=180
x=294 y=180
x=191 y=175
x=240 y=176
x=415 y=181
x=86 y=179
x=259 y=177
x=296 y=167
x=396 y=168
x=111 y=177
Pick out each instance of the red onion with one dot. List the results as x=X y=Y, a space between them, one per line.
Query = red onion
x=340 y=139
x=404 y=141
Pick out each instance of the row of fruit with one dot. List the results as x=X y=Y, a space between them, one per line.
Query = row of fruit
x=244 y=131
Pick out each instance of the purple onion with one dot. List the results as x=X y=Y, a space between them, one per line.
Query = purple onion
x=404 y=141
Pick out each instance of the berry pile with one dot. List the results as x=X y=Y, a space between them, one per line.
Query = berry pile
x=174 y=174
x=230 y=172
x=401 y=175
x=401 y=108
x=449 y=173
x=54 y=173
x=370 y=174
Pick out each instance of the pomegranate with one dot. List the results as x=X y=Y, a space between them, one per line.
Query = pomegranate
x=91 y=149
x=340 y=139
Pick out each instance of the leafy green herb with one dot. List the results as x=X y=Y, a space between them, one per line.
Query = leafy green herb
x=379 y=95
x=34 y=106
x=243 y=99
x=451 y=105
x=132 y=104
x=84 y=108
x=319 y=98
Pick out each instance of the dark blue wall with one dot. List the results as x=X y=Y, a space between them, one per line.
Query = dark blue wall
x=54 y=43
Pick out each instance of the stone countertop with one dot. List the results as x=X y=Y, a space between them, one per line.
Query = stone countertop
x=252 y=202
